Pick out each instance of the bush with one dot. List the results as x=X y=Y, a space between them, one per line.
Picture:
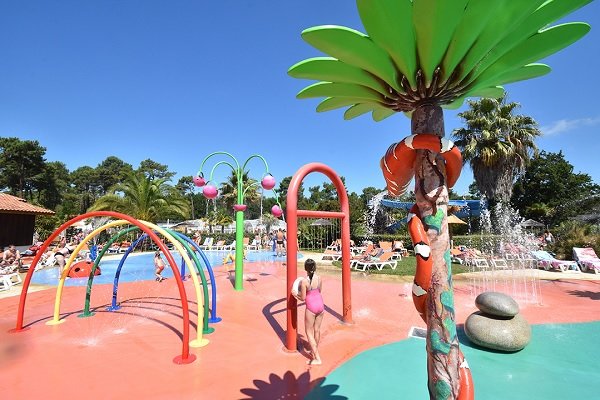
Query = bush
x=574 y=234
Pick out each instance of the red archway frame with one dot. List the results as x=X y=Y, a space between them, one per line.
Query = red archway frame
x=293 y=213
x=185 y=357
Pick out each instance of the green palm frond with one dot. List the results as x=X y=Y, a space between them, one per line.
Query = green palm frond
x=433 y=51
x=144 y=198
x=495 y=138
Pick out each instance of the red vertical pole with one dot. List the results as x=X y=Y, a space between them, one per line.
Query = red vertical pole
x=346 y=294
x=292 y=262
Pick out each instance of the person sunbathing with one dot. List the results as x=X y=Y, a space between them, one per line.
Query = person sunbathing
x=373 y=254
x=11 y=259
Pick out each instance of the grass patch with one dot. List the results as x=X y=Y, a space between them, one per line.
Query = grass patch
x=406 y=267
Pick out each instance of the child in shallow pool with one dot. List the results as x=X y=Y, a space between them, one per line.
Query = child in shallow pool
x=159 y=266
x=310 y=292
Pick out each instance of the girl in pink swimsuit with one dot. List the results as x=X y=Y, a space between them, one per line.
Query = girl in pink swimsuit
x=310 y=292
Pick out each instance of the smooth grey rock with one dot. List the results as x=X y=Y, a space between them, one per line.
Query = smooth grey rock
x=495 y=303
x=506 y=334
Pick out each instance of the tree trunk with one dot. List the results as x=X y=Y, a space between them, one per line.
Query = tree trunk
x=432 y=199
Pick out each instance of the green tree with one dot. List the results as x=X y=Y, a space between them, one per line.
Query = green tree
x=154 y=170
x=53 y=185
x=111 y=171
x=85 y=182
x=497 y=144
x=268 y=221
x=357 y=215
x=144 y=198
x=368 y=193
x=325 y=198
x=218 y=217
x=282 y=192
x=21 y=162
x=550 y=191
x=187 y=189
x=474 y=192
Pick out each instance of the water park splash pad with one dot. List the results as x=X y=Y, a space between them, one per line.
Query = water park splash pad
x=151 y=231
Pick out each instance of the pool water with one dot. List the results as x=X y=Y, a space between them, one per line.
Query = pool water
x=140 y=266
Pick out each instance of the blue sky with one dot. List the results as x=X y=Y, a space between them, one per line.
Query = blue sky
x=174 y=81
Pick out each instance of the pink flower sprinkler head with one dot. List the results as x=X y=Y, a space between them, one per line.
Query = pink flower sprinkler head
x=268 y=182
x=240 y=207
x=210 y=191
x=276 y=211
x=199 y=181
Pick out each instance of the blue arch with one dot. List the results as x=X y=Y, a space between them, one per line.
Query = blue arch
x=213 y=318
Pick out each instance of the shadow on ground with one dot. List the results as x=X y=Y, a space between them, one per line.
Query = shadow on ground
x=290 y=386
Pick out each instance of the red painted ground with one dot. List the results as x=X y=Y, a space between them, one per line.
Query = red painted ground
x=129 y=354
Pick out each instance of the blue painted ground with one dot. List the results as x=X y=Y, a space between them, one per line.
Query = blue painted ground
x=561 y=362
x=140 y=267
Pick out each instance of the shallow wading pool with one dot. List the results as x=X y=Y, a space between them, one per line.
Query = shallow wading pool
x=140 y=266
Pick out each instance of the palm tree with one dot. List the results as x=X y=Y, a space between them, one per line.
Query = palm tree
x=144 y=198
x=229 y=190
x=497 y=144
x=268 y=220
x=218 y=217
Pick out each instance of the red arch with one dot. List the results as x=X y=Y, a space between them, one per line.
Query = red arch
x=293 y=213
x=185 y=357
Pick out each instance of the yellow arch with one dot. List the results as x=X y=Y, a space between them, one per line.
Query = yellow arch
x=199 y=341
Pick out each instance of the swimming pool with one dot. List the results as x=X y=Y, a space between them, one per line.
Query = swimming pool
x=140 y=266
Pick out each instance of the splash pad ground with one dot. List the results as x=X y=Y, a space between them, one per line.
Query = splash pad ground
x=129 y=353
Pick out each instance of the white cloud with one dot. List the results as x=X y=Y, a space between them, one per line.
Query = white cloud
x=565 y=125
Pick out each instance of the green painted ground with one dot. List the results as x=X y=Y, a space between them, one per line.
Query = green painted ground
x=561 y=362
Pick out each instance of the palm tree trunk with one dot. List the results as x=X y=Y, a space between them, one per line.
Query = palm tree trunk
x=432 y=199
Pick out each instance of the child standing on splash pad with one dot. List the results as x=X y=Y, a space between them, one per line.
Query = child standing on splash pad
x=310 y=292
x=159 y=264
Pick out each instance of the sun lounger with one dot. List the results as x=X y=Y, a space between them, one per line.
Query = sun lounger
x=385 y=260
x=10 y=279
x=480 y=263
x=499 y=263
x=248 y=246
x=331 y=255
x=114 y=249
x=207 y=243
x=587 y=259
x=220 y=245
x=398 y=247
x=386 y=246
x=547 y=261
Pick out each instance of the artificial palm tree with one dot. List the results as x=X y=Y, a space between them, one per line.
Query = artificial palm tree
x=419 y=56
x=497 y=144
x=143 y=198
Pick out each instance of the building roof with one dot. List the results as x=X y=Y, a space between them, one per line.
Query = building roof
x=16 y=205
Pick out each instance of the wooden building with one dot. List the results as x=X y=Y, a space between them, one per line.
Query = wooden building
x=17 y=220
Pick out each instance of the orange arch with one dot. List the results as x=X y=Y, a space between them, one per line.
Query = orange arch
x=185 y=356
x=292 y=214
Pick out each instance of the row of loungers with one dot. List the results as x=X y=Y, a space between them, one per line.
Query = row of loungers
x=584 y=260
x=220 y=245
